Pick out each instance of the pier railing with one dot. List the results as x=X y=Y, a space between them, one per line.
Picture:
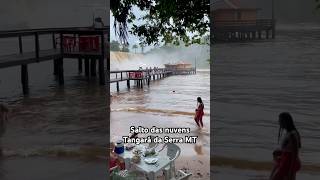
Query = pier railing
x=235 y=30
x=144 y=76
x=60 y=48
x=258 y=23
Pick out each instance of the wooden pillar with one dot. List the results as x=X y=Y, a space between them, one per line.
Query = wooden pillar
x=128 y=84
x=60 y=71
x=141 y=83
x=259 y=34
x=154 y=77
x=118 y=89
x=86 y=67
x=93 y=67
x=267 y=34
x=55 y=67
x=102 y=77
x=37 y=46
x=20 y=45
x=24 y=79
x=80 y=65
x=54 y=44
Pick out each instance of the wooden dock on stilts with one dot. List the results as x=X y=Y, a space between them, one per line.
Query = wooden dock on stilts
x=233 y=31
x=88 y=46
x=85 y=44
x=144 y=77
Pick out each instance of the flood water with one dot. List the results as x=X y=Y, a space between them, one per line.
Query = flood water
x=253 y=83
x=168 y=102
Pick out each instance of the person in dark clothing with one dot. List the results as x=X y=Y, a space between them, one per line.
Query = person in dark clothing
x=286 y=158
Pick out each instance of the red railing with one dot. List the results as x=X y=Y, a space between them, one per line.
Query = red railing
x=80 y=44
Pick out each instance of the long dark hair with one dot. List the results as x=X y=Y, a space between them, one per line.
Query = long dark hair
x=286 y=122
x=199 y=100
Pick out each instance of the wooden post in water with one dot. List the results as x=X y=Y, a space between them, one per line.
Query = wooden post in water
x=80 y=65
x=86 y=67
x=55 y=67
x=60 y=71
x=102 y=78
x=54 y=44
x=25 y=79
x=37 y=46
x=118 y=89
x=128 y=84
x=93 y=67
x=20 y=45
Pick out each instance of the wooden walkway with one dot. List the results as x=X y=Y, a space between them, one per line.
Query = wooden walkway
x=28 y=58
x=66 y=43
x=72 y=43
x=141 y=77
x=243 y=30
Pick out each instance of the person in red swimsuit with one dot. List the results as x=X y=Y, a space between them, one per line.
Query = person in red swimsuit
x=199 y=112
x=286 y=159
x=114 y=161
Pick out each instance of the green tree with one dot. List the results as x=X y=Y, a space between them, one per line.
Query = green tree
x=114 y=46
x=168 y=21
x=142 y=47
x=125 y=49
x=135 y=47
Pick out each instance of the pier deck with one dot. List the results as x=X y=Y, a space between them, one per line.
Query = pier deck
x=144 y=76
x=85 y=44
x=81 y=43
x=28 y=58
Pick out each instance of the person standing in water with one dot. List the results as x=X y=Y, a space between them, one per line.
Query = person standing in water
x=286 y=159
x=199 y=112
x=3 y=122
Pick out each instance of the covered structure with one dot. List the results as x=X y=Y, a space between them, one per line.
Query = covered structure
x=233 y=21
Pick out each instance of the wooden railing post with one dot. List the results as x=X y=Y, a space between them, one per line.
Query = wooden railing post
x=20 y=45
x=61 y=44
x=24 y=79
x=37 y=47
x=54 y=45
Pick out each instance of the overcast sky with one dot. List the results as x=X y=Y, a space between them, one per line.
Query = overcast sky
x=131 y=39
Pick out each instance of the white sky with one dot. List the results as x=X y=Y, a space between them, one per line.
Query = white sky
x=131 y=38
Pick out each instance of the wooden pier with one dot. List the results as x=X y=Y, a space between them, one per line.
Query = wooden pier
x=144 y=77
x=86 y=45
x=243 y=30
x=81 y=43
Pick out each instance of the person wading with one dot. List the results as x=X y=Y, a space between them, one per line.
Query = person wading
x=3 y=122
x=286 y=159
x=199 y=112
